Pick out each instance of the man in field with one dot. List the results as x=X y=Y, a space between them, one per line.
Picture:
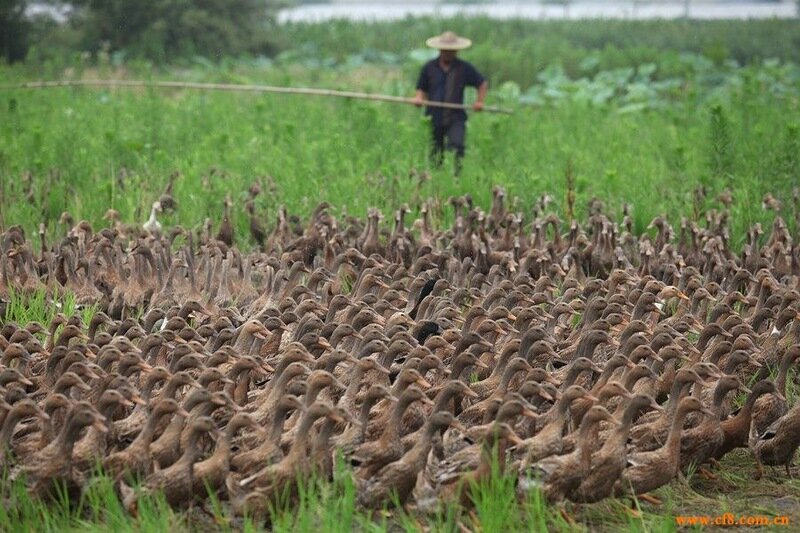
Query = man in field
x=443 y=79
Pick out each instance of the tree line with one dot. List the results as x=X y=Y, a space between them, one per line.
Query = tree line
x=156 y=30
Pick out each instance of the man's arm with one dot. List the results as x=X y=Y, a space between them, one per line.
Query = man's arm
x=419 y=97
x=483 y=88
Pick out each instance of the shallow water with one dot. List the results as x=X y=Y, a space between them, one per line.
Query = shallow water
x=536 y=10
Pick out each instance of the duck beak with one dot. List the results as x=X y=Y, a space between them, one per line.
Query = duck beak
x=383 y=370
x=591 y=398
x=655 y=407
x=260 y=335
x=780 y=396
x=267 y=367
x=608 y=417
x=339 y=385
x=144 y=367
x=469 y=393
x=100 y=425
x=743 y=389
x=629 y=364
x=422 y=382
x=455 y=424
x=627 y=394
x=553 y=381
x=427 y=401
x=126 y=403
x=182 y=412
x=529 y=413
x=138 y=400
x=515 y=439
x=323 y=343
x=546 y=396
x=481 y=364
x=219 y=402
x=657 y=358
x=708 y=412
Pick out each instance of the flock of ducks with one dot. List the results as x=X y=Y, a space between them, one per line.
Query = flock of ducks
x=585 y=360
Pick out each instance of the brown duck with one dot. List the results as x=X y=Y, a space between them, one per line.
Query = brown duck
x=176 y=482
x=650 y=470
x=400 y=477
x=560 y=475
x=136 y=460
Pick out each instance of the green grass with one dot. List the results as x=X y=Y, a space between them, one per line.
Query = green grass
x=84 y=151
x=331 y=506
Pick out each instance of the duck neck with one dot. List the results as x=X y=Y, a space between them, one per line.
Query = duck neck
x=9 y=425
x=673 y=444
x=149 y=429
x=67 y=438
x=392 y=431
x=352 y=386
x=277 y=425
x=508 y=375
x=192 y=451
x=443 y=399
x=300 y=444
x=586 y=438
x=783 y=372
x=417 y=456
x=679 y=390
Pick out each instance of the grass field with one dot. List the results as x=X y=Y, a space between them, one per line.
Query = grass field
x=83 y=151
x=644 y=124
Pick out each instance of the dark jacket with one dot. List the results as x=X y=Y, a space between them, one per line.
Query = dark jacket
x=441 y=86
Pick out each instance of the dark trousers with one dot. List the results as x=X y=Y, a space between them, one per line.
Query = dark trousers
x=455 y=134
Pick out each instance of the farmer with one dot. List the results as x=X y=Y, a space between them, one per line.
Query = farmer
x=443 y=80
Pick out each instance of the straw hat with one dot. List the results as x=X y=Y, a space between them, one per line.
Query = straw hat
x=448 y=41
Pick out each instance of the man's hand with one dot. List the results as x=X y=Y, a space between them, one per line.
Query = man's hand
x=418 y=101
x=477 y=106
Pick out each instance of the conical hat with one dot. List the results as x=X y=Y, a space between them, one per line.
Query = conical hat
x=448 y=41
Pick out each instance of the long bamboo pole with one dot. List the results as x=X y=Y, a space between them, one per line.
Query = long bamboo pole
x=245 y=88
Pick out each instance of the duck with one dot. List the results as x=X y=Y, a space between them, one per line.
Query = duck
x=399 y=478
x=282 y=478
x=14 y=414
x=647 y=471
x=549 y=440
x=52 y=466
x=651 y=435
x=736 y=429
x=771 y=407
x=456 y=485
x=699 y=442
x=373 y=455
x=777 y=444
x=136 y=461
x=209 y=475
x=176 y=482
x=610 y=460
x=559 y=475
